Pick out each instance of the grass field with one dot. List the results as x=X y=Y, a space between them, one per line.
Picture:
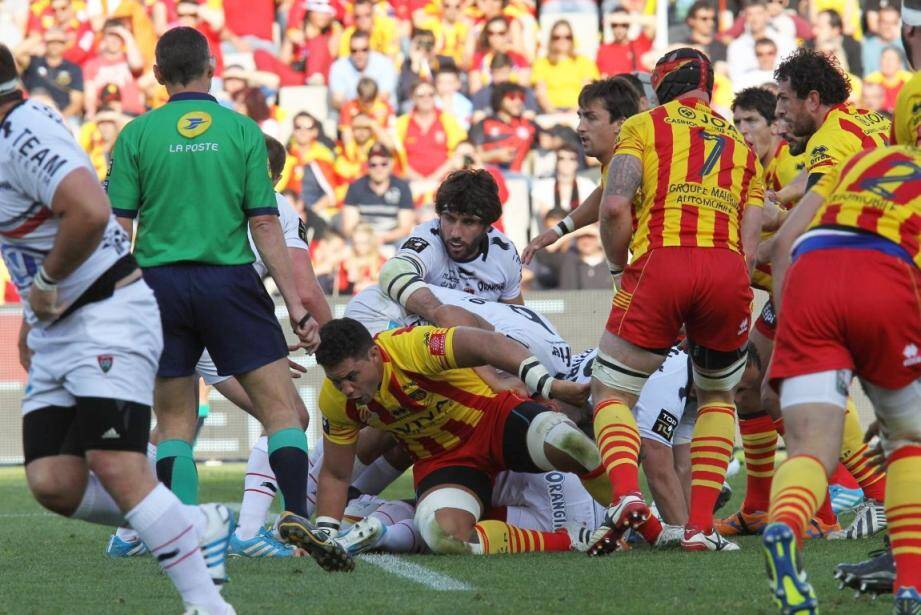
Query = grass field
x=51 y=565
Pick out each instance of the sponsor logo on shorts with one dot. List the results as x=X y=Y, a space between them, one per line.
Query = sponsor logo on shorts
x=105 y=362
x=193 y=124
x=911 y=354
x=438 y=343
x=556 y=499
x=842 y=381
x=665 y=425
x=743 y=327
x=111 y=434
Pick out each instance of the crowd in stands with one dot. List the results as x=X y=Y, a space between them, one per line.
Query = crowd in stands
x=377 y=100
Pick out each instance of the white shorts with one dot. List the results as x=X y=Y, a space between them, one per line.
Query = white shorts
x=659 y=411
x=545 y=501
x=208 y=370
x=109 y=349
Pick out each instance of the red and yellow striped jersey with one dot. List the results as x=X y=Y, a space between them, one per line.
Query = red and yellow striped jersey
x=877 y=191
x=845 y=131
x=906 y=118
x=783 y=168
x=424 y=400
x=698 y=176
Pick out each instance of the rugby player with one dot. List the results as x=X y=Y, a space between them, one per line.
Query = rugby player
x=603 y=107
x=863 y=218
x=693 y=238
x=416 y=383
x=90 y=351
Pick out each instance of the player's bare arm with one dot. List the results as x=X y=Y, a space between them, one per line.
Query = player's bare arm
x=624 y=176
x=423 y=302
x=583 y=215
x=793 y=191
x=309 y=291
x=751 y=234
x=334 y=479
x=792 y=228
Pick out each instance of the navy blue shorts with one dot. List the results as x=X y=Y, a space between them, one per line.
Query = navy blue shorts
x=224 y=308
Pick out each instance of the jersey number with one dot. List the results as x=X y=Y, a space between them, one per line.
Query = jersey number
x=719 y=144
x=899 y=187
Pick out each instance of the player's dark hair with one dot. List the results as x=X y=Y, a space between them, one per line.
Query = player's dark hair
x=182 y=55
x=501 y=91
x=277 y=155
x=341 y=339
x=470 y=192
x=808 y=70
x=619 y=97
x=8 y=70
x=756 y=99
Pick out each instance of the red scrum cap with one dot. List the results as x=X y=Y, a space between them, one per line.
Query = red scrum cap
x=680 y=71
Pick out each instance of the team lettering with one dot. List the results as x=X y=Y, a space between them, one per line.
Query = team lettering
x=178 y=148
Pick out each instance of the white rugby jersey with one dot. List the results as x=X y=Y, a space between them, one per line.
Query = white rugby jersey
x=551 y=500
x=378 y=312
x=36 y=153
x=292 y=227
x=494 y=273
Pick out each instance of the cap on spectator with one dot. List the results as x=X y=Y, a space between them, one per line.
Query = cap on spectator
x=381 y=150
x=109 y=93
x=911 y=13
x=55 y=35
x=320 y=6
x=235 y=71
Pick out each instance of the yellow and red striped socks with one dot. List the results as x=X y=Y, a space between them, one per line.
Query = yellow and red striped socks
x=618 y=439
x=597 y=484
x=871 y=478
x=800 y=486
x=903 y=512
x=711 y=450
x=500 y=537
x=759 y=442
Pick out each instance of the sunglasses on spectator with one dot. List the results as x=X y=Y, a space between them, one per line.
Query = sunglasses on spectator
x=514 y=96
x=620 y=25
x=562 y=37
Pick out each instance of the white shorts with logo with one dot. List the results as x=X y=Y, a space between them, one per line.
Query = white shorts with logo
x=545 y=501
x=109 y=349
x=208 y=370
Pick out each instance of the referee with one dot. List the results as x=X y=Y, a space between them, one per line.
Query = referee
x=194 y=174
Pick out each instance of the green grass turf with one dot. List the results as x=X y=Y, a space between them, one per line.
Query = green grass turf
x=52 y=565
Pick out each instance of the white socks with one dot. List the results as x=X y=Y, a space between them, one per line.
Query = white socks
x=97 y=506
x=376 y=477
x=259 y=488
x=163 y=524
x=402 y=535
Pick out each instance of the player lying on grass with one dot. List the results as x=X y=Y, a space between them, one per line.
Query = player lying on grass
x=416 y=383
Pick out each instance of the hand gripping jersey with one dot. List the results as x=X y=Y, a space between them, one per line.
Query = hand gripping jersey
x=378 y=312
x=424 y=400
x=36 y=153
x=698 y=176
x=494 y=273
x=845 y=131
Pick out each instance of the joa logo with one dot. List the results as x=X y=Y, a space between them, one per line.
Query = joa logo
x=193 y=124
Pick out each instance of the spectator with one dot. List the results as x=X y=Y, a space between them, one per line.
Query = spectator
x=352 y=153
x=889 y=35
x=483 y=13
x=44 y=67
x=585 y=267
x=781 y=24
x=565 y=190
x=62 y=15
x=379 y=199
x=873 y=97
x=305 y=147
x=448 y=96
x=117 y=61
x=427 y=140
x=235 y=80
x=252 y=102
x=742 y=49
x=305 y=56
x=99 y=139
x=367 y=103
x=643 y=89
x=495 y=38
x=891 y=75
x=766 y=53
x=381 y=30
x=545 y=266
x=207 y=20
x=249 y=25
x=451 y=30
x=326 y=18
x=622 y=54
x=506 y=137
x=701 y=30
x=327 y=258
x=421 y=65
x=361 y=61
x=829 y=27
x=559 y=77
x=501 y=68
x=364 y=262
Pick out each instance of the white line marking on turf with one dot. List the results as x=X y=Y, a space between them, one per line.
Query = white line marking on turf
x=32 y=514
x=416 y=573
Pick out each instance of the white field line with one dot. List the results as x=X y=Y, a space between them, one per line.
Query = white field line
x=415 y=573
x=27 y=514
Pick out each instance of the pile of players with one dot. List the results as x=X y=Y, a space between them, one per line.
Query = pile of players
x=516 y=443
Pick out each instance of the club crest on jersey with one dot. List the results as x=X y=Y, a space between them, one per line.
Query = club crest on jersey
x=193 y=124
x=105 y=362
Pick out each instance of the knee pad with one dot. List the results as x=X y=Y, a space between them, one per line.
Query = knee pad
x=555 y=429
x=897 y=410
x=716 y=370
x=828 y=387
x=434 y=536
x=613 y=374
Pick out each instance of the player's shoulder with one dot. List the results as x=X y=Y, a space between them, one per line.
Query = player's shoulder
x=332 y=401
x=499 y=243
x=30 y=122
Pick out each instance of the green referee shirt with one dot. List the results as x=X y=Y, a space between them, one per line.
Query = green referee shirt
x=193 y=171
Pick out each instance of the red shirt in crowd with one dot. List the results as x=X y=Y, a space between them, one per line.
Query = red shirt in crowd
x=616 y=58
x=80 y=35
x=248 y=18
x=493 y=133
